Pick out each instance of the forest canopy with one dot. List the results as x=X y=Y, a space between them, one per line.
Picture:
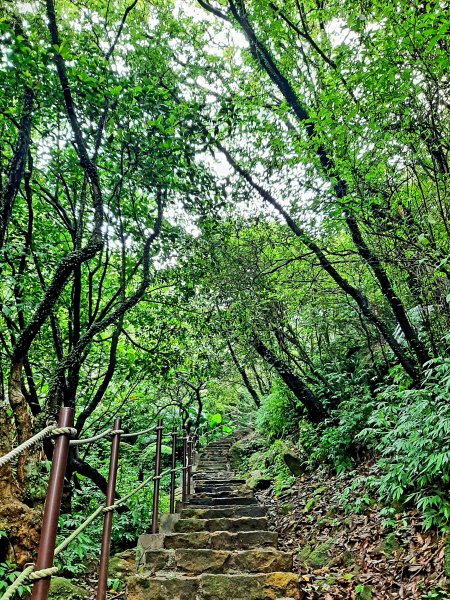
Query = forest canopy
x=225 y=210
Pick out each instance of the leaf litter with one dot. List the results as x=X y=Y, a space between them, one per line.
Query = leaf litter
x=340 y=554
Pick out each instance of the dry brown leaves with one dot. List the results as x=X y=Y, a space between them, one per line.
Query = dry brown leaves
x=359 y=558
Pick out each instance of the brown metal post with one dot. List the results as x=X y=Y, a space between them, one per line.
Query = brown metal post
x=52 y=506
x=172 y=473
x=108 y=518
x=189 y=464
x=157 y=477
x=184 y=469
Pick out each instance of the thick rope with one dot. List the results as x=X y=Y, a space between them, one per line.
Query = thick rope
x=127 y=435
x=48 y=431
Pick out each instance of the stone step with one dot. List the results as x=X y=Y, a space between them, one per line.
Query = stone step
x=222 y=540
x=214 y=475
x=218 y=547
x=209 y=586
x=216 y=489
x=216 y=561
x=221 y=524
x=218 y=501
x=219 y=476
x=227 y=512
x=212 y=468
x=223 y=494
x=213 y=456
x=200 y=481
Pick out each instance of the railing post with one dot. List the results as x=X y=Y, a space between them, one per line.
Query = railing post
x=108 y=518
x=157 y=477
x=189 y=464
x=52 y=506
x=173 y=470
x=184 y=468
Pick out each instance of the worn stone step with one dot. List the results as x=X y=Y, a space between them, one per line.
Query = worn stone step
x=233 y=481
x=220 y=476
x=218 y=501
x=224 y=494
x=209 y=586
x=227 y=512
x=216 y=561
x=215 y=454
x=222 y=540
x=221 y=524
x=216 y=489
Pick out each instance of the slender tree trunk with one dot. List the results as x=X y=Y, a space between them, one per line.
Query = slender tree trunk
x=251 y=390
x=315 y=409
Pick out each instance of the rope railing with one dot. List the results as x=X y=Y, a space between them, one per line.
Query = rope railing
x=40 y=573
x=29 y=575
x=49 y=431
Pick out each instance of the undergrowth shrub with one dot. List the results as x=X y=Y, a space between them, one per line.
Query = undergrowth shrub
x=410 y=430
x=335 y=441
x=277 y=416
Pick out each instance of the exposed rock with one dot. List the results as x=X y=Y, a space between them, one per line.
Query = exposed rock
x=122 y=565
x=294 y=464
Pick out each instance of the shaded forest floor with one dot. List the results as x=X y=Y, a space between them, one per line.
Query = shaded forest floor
x=342 y=555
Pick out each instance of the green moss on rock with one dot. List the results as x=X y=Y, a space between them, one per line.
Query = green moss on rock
x=316 y=556
x=63 y=589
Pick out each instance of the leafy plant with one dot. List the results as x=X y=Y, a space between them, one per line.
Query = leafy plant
x=410 y=429
x=8 y=574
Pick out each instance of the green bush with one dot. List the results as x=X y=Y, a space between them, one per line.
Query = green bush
x=276 y=417
x=410 y=430
x=334 y=442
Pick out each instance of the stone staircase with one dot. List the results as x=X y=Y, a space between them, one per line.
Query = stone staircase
x=217 y=546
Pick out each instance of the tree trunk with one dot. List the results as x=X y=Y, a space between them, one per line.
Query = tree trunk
x=315 y=409
x=251 y=390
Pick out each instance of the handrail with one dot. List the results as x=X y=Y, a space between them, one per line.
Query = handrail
x=39 y=574
x=29 y=574
x=48 y=431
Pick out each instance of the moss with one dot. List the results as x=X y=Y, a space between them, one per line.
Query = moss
x=286 y=508
x=447 y=557
x=122 y=565
x=242 y=452
x=363 y=592
x=318 y=556
x=388 y=545
x=64 y=589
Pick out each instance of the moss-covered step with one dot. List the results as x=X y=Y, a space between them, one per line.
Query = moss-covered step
x=261 y=586
x=222 y=540
x=224 y=524
x=220 y=512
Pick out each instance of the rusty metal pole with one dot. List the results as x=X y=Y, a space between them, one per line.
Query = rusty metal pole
x=52 y=506
x=157 y=478
x=184 y=469
x=172 y=472
x=189 y=464
x=108 y=518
